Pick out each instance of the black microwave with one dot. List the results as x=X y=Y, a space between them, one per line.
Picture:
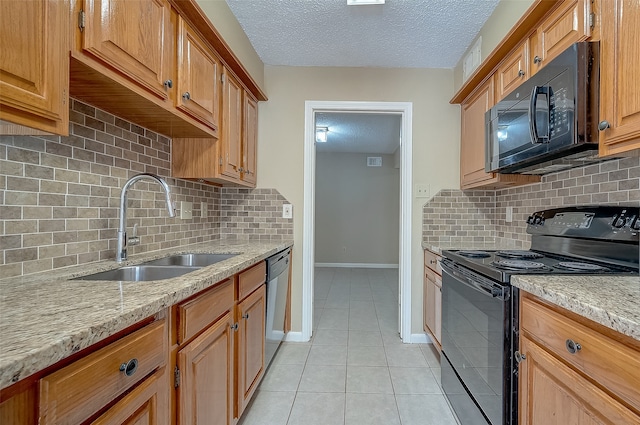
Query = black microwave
x=549 y=123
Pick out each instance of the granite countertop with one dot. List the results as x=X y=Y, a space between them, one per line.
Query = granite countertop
x=46 y=317
x=612 y=301
x=480 y=246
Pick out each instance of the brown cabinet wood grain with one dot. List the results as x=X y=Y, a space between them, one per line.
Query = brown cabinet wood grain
x=594 y=384
x=567 y=24
x=432 y=297
x=206 y=364
x=198 y=77
x=249 y=139
x=250 y=347
x=230 y=140
x=620 y=77
x=513 y=70
x=34 y=66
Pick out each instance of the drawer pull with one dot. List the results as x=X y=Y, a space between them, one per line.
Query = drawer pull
x=572 y=346
x=130 y=367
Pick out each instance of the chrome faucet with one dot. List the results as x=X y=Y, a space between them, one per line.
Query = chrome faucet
x=121 y=252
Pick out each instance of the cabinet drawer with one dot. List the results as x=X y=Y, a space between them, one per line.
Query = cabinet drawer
x=613 y=365
x=432 y=260
x=200 y=312
x=250 y=279
x=512 y=71
x=74 y=393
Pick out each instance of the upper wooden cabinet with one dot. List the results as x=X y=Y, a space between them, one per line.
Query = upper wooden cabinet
x=512 y=71
x=619 y=77
x=134 y=38
x=249 y=139
x=198 y=76
x=472 y=144
x=231 y=140
x=34 y=66
x=568 y=24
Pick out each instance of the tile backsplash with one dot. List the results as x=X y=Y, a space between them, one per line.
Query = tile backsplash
x=59 y=197
x=615 y=182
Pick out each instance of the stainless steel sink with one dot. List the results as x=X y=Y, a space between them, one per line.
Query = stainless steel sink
x=140 y=273
x=193 y=260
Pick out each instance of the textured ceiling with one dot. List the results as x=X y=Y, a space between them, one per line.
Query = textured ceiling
x=398 y=34
x=373 y=133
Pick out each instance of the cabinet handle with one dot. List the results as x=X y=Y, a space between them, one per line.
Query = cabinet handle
x=572 y=346
x=521 y=73
x=520 y=357
x=240 y=170
x=603 y=125
x=245 y=316
x=168 y=83
x=537 y=59
x=130 y=367
x=186 y=95
x=235 y=327
x=431 y=262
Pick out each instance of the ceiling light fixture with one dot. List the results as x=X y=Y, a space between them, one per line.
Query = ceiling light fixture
x=363 y=2
x=321 y=134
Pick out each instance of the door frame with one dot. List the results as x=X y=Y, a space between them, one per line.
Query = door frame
x=405 y=109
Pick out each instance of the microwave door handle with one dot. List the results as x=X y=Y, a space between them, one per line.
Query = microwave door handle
x=533 y=106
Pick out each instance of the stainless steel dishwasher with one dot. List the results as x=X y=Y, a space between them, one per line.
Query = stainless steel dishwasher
x=277 y=286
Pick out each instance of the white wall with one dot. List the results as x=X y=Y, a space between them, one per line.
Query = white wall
x=436 y=142
x=357 y=209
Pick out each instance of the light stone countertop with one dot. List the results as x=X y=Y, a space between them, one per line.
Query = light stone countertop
x=612 y=301
x=47 y=317
x=480 y=246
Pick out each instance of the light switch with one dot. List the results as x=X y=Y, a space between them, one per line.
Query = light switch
x=186 y=210
x=422 y=190
x=287 y=211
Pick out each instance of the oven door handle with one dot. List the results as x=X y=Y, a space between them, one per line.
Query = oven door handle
x=479 y=284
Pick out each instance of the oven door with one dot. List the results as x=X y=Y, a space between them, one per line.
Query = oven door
x=476 y=343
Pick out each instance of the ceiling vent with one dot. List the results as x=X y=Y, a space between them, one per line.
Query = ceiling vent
x=374 y=161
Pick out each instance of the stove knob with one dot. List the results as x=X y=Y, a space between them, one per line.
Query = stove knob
x=538 y=220
x=636 y=224
x=530 y=219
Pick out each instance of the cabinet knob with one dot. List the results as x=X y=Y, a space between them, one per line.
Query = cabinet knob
x=521 y=73
x=603 y=125
x=130 y=367
x=537 y=59
x=186 y=95
x=240 y=170
x=572 y=346
x=520 y=357
x=234 y=326
x=168 y=83
x=245 y=316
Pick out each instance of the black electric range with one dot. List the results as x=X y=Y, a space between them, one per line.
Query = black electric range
x=480 y=307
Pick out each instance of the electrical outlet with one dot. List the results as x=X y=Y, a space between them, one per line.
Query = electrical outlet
x=204 y=210
x=422 y=190
x=287 y=211
x=509 y=215
x=186 y=210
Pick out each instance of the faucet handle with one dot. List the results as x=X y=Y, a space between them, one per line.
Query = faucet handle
x=134 y=240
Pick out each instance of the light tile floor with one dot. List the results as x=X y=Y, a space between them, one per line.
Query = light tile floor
x=355 y=370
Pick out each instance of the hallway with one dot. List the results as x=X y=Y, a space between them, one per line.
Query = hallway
x=355 y=370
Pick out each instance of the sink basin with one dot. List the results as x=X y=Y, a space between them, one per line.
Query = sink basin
x=140 y=273
x=193 y=260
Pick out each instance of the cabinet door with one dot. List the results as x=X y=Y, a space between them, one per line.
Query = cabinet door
x=472 y=143
x=205 y=393
x=198 y=75
x=250 y=351
x=437 y=301
x=230 y=140
x=512 y=71
x=551 y=393
x=564 y=26
x=249 y=139
x=147 y=404
x=34 y=64
x=133 y=38
x=620 y=77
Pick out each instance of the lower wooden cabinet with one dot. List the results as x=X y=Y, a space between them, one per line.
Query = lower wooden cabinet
x=432 y=297
x=250 y=346
x=147 y=404
x=573 y=373
x=206 y=364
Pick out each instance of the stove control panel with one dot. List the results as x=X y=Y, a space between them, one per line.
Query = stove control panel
x=602 y=222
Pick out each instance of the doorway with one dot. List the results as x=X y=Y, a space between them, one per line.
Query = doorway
x=404 y=110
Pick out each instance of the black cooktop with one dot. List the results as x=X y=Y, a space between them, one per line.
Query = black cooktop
x=501 y=265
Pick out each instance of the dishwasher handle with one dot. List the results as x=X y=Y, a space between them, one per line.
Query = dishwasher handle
x=277 y=264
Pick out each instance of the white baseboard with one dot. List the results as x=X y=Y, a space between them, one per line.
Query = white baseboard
x=358 y=265
x=420 y=339
x=294 y=337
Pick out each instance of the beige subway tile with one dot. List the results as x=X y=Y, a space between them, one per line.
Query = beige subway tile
x=39 y=265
